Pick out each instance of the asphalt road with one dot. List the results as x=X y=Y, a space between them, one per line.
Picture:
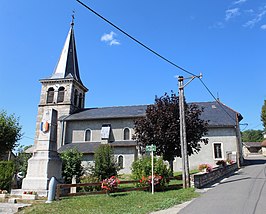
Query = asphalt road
x=242 y=193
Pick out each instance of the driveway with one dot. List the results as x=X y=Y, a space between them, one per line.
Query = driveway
x=242 y=193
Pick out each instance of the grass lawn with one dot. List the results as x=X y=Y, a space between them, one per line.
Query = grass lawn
x=130 y=202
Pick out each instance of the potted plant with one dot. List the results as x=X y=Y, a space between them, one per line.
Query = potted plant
x=205 y=168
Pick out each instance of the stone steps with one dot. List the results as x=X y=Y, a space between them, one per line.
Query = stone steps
x=10 y=208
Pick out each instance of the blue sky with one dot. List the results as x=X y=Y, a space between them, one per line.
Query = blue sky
x=224 y=40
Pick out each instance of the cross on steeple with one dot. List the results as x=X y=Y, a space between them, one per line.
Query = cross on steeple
x=73 y=18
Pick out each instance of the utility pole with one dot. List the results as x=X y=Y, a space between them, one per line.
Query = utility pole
x=183 y=135
x=181 y=113
x=238 y=144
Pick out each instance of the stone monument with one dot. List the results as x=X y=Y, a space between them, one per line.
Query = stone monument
x=45 y=162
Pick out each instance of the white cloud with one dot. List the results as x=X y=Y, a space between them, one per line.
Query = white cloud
x=110 y=38
x=249 y=11
x=258 y=18
x=231 y=13
x=239 y=1
x=263 y=27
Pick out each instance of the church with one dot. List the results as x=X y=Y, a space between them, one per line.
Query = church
x=87 y=128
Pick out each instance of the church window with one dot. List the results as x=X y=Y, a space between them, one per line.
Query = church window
x=217 y=150
x=80 y=100
x=120 y=161
x=88 y=135
x=76 y=97
x=50 y=95
x=126 y=134
x=61 y=94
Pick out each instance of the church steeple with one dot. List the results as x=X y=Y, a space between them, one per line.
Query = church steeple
x=67 y=66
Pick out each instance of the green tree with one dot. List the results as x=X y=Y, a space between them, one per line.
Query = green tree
x=6 y=173
x=161 y=127
x=10 y=132
x=21 y=160
x=252 y=135
x=71 y=164
x=105 y=165
x=263 y=114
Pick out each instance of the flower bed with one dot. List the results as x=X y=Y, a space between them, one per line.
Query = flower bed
x=29 y=195
x=109 y=184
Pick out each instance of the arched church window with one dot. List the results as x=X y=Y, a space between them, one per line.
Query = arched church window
x=76 y=97
x=88 y=135
x=126 y=134
x=61 y=94
x=50 y=95
x=80 y=100
x=120 y=161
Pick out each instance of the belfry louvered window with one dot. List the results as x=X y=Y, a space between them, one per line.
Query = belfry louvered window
x=50 y=95
x=61 y=94
x=76 y=97
x=80 y=100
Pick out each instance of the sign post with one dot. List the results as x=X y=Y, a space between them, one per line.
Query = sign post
x=151 y=148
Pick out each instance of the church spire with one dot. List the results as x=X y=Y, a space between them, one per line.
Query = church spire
x=67 y=66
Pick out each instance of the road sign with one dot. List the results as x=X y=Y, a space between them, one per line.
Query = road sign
x=151 y=148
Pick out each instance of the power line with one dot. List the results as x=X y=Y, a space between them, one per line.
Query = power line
x=156 y=53
x=134 y=39
x=220 y=104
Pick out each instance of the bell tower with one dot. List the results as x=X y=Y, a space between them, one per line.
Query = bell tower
x=63 y=90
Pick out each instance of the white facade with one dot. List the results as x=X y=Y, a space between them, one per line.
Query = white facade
x=225 y=137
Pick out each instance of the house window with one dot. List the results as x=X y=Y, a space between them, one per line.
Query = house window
x=126 y=133
x=217 y=149
x=88 y=135
x=120 y=161
x=50 y=95
x=76 y=97
x=61 y=94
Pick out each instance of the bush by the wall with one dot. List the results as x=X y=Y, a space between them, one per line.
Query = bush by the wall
x=89 y=179
x=142 y=168
x=71 y=167
x=6 y=174
x=105 y=166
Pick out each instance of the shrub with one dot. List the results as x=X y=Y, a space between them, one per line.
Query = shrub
x=105 y=165
x=71 y=159
x=89 y=179
x=141 y=170
x=6 y=174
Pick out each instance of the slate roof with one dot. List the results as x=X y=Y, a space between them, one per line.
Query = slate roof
x=90 y=148
x=252 y=144
x=109 y=112
x=218 y=114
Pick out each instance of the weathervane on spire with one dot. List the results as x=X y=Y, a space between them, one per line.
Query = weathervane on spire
x=73 y=17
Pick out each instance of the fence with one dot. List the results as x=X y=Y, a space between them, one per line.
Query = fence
x=62 y=190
